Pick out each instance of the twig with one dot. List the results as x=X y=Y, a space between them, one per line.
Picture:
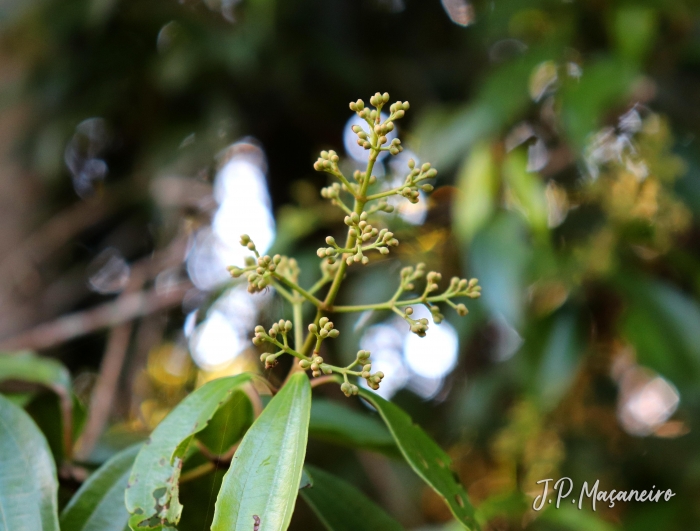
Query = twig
x=105 y=315
x=103 y=394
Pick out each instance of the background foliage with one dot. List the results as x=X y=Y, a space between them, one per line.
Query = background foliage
x=565 y=135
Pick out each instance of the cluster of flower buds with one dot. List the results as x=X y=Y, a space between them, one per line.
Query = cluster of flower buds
x=411 y=185
x=409 y=275
x=373 y=380
x=259 y=279
x=328 y=161
x=418 y=326
x=359 y=176
x=363 y=232
x=461 y=287
x=316 y=365
x=324 y=329
x=380 y=206
x=281 y=327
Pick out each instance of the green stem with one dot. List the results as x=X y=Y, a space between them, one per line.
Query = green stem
x=301 y=291
x=298 y=323
x=387 y=305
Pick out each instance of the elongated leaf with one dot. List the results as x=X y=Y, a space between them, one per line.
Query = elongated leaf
x=99 y=503
x=28 y=484
x=426 y=458
x=478 y=185
x=152 y=492
x=27 y=367
x=341 y=507
x=263 y=480
x=344 y=426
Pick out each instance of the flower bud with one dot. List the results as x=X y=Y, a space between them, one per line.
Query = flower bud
x=333 y=333
x=304 y=364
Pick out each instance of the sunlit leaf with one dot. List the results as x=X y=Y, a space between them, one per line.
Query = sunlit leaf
x=152 y=493
x=263 y=481
x=478 y=185
x=528 y=190
x=99 y=503
x=28 y=483
x=426 y=458
x=341 y=425
x=342 y=507
x=634 y=30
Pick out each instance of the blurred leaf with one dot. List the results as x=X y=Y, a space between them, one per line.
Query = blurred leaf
x=499 y=258
x=586 y=100
x=152 y=494
x=447 y=135
x=344 y=426
x=28 y=483
x=426 y=458
x=559 y=359
x=99 y=503
x=477 y=184
x=228 y=424
x=634 y=31
x=29 y=368
x=265 y=474
x=528 y=190
x=661 y=322
x=342 y=507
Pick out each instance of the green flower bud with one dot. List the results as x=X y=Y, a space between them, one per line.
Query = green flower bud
x=304 y=364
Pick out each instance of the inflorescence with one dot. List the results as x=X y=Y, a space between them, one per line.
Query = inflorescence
x=364 y=235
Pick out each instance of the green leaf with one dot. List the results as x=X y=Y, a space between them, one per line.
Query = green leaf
x=228 y=424
x=27 y=367
x=500 y=255
x=342 y=507
x=152 y=493
x=477 y=184
x=28 y=483
x=99 y=503
x=341 y=425
x=528 y=190
x=426 y=458
x=560 y=359
x=265 y=474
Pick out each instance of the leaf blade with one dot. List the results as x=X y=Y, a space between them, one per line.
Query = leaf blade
x=342 y=507
x=341 y=425
x=266 y=470
x=152 y=491
x=425 y=457
x=28 y=483
x=99 y=503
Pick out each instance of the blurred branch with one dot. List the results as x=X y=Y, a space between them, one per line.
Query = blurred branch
x=59 y=230
x=103 y=394
x=103 y=316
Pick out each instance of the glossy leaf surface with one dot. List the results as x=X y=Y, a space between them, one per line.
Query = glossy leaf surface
x=152 y=493
x=263 y=481
x=28 y=484
x=426 y=458
x=99 y=503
